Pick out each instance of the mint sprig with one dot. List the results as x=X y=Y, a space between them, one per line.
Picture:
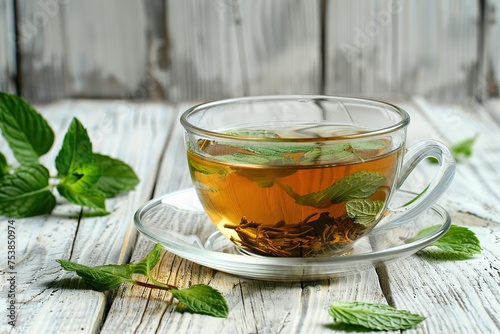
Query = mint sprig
x=373 y=316
x=83 y=177
x=199 y=298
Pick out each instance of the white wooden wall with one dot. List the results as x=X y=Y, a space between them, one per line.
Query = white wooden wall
x=193 y=50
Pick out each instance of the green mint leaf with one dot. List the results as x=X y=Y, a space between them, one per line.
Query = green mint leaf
x=242 y=158
x=26 y=192
x=458 y=243
x=327 y=153
x=28 y=134
x=274 y=151
x=360 y=185
x=463 y=148
x=99 y=279
x=203 y=299
x=116 y=176
x=4 y=166
x=373 y=316
x=76 y=149
x=265 y=178
x=460 y=150
x=363 y=211
x=92 y=198
x=253 y=133
x=195 y=166
x=78 y=186
x=147 y=264
x=369 y=145
x=339 y=153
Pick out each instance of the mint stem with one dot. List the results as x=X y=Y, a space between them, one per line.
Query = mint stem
x=287 y=189
x=154 y=286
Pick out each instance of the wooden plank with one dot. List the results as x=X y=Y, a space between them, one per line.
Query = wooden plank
x=455 y=296
x=7 y=47
x=49 y=299
x=391 y=48
x=255 y=306
x=471 y=190
x=491 y=77
x=230 y=48
x=91 y=49
x=43 y=69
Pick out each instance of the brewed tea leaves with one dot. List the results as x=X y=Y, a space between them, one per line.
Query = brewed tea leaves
x=360 y=185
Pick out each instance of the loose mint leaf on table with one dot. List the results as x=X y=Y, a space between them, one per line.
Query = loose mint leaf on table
x=99 y=279
x=28 y=134
x=373 y=316
x=202 y=299
x=25 y=192
x=116 y=176
x=199 y=298
x=363 y=211
x=458 y=243
x=460 y=150
x=360 y=185
x=463 y=148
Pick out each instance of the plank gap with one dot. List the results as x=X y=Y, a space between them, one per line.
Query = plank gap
x=383 y=279
x=17 y=51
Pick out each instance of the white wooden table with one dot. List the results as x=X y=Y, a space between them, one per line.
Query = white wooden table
x=455 y=296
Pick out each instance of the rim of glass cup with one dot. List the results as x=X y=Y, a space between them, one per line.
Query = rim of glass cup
x=405 y=118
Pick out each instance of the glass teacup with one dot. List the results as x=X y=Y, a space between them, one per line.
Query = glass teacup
x=301 y=176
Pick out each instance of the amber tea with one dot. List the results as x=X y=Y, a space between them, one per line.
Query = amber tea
x=297 y=200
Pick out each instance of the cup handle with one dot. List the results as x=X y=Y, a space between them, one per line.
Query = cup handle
x=444 y=175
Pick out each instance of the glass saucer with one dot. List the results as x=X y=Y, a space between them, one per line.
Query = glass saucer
x=178 y=222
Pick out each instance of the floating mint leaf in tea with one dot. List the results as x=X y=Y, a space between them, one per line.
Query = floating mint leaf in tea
x=364 y=211
x=253 y=133
x=342 y=153
x=360 y=185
